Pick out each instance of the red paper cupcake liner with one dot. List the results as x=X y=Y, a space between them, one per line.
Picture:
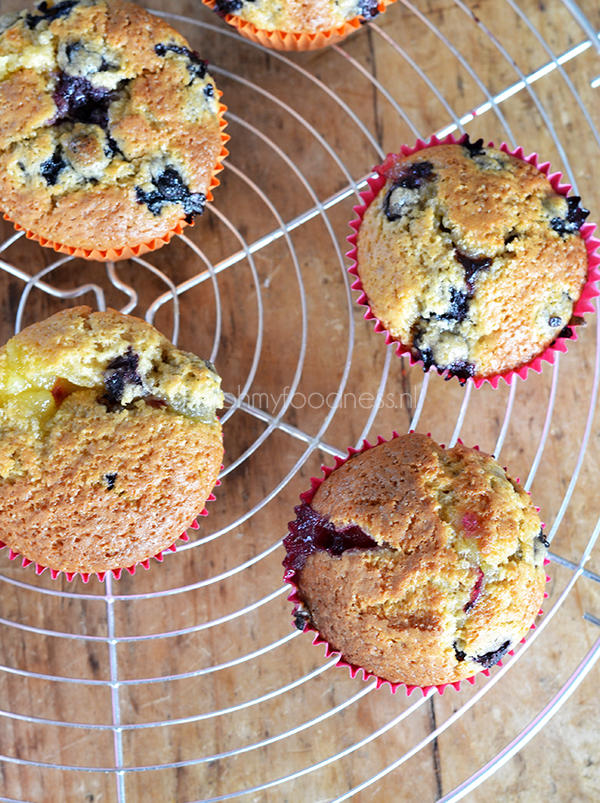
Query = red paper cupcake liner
x=127 y=252
x=288 y=41
x=582 y=305
x=290 y=575
x=85 y=576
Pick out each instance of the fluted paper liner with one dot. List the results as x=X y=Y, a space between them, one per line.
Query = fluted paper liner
x=127 y=252
x=290 y=574
x=85 y=576
x=582 y=305
x=287 y=40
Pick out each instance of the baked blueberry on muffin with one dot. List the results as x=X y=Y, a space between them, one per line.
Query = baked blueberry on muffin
x=109 y=441
x=420 y=564
x=470 y=258
x=110 y=128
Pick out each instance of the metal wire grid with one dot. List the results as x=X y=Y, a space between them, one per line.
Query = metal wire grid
x=209 y=272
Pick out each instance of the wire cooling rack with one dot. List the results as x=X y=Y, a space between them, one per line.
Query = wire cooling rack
x=187 y=682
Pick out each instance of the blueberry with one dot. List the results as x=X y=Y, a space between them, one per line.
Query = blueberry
x=170 y=188
x=120 y=372
x=110 y=478
x=209 y=91
x=196 y=66
x=460 y=655
x=459 y=306
x=228 y=6
x=79 y=101
x=554 y=321
x=368 y=10
x=472 y=267
x=62 y=9
x=412 y=177
x=574 y=220
x=461 y=369
x=566 y=332
x=541 y=537
x=426 y=355
x=301 y=618
x=490 y=659
x=51 y=168
x=475 y=148
x=510 y=237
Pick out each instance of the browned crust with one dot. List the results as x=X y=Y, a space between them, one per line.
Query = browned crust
x=68 y=519
x=398 y=611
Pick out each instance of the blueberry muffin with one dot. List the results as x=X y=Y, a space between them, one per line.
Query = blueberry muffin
x=295 y=16
x=469 y=258
x=109 y=441
x=419 y=564
x=109 y=124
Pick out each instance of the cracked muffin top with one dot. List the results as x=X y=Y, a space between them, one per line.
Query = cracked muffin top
x=298 y=16
x=420 y=564
x=109 y=124
x=470 y=258
x=109 y=441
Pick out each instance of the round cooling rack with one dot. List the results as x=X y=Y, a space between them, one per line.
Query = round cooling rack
x=187 y=682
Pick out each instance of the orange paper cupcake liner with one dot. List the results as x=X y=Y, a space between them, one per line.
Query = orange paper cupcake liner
x=127 y=252
x=581 y=306
x=85 y=576
x=288 y=41
x=290 y=576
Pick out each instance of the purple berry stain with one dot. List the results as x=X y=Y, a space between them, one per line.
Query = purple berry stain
x=472 y=267
x=475 y=592
x=311 y=532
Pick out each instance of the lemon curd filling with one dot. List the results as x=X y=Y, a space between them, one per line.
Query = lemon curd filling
x=29 y=396
x=34 y=383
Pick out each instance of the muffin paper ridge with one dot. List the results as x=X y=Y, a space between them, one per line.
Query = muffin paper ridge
x=582 y=306
x=289 y=575
x=127 y=252
x=288 y=41
x=117 y=572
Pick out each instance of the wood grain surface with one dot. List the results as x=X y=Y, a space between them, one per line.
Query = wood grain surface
x=286 y=336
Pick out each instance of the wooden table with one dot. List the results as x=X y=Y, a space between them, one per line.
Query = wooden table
x=188 y=677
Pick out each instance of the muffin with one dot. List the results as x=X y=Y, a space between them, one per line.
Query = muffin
x=295 y=25
x=470 y=258
x=109 y=441
x=421 y=565
x=110 y=126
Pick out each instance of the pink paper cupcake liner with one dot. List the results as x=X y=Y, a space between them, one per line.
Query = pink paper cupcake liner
x=582 y=305
x=85 y=576
x=290 y=575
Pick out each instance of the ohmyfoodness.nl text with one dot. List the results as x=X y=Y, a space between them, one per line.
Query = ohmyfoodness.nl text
x=274 y=403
